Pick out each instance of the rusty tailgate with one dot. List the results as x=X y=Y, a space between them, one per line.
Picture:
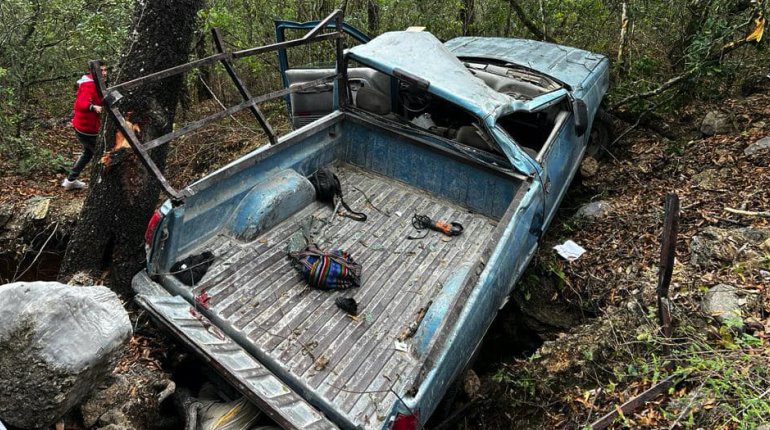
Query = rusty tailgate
x=244 y=372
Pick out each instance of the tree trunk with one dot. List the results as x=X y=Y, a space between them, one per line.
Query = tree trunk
x=531 y=26
x=120 y=201
x=202 y=84
x=623 y=39
x=698 y=11
x=466 y=16
x=372 y=18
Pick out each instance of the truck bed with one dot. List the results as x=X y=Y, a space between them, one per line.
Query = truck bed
x=355 y=365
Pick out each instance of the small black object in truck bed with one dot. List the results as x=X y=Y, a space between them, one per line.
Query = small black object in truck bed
x=327 y=187
x=191 y=269
x=347 y=304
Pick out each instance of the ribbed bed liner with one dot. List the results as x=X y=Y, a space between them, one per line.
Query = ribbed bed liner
x=352 y=364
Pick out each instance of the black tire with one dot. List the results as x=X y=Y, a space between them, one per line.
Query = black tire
x=602 y=133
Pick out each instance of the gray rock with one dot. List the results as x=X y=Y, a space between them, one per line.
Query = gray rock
x=589 y=167
x=709 y=179
x=722 y=301
x=593 y=210
x=716 y=122
x=103 y=400
x=115 y=419
x=37 y=208
x=56 y=343
x=762 y=145
x=718 y=247
x=6 y=212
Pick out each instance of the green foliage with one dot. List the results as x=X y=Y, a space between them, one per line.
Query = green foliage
x=31 y=158
x=44 y=48
x=45 y=45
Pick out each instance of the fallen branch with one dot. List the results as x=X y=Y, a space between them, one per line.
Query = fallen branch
x=634 y=404
x=16 y=275
x=762 y=214
x=665 y=86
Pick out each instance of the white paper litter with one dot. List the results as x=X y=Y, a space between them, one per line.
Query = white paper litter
x=401 y=346
x=570 y=250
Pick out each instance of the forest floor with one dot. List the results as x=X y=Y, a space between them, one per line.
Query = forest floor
x=598 y=314
x=578 y=339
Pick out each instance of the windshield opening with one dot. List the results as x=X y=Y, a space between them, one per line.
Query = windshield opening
x=531 y=130
x=519 y=83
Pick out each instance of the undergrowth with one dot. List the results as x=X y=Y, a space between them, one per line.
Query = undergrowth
x=721 y=379
x=25 y=157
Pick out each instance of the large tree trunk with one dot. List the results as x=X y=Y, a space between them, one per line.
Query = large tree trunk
x=120 y=201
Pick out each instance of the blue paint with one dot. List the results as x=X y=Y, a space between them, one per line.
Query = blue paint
x=439 y=308
x=269 y=202
x=571 y=66
x=256 y=186
x=421 y=54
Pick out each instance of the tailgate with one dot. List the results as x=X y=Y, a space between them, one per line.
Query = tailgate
x=238 y=367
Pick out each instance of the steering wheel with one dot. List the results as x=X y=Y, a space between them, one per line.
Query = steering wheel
x=413 y=100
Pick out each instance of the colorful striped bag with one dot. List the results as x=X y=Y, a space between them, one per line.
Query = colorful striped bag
x=327 y=270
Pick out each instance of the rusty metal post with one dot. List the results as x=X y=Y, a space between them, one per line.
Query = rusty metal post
x=342 y=68
x=258 y=115
x=667 y=254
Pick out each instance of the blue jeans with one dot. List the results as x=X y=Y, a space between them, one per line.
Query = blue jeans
x=89 y=145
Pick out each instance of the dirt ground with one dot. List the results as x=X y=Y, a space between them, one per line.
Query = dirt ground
x=580 y=338
x=615 y=351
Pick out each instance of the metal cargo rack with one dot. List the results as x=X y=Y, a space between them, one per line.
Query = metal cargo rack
x=112 y=95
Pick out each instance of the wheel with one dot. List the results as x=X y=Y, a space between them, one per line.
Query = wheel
x=602 y=133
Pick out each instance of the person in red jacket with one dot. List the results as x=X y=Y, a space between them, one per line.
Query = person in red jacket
x=86 y=121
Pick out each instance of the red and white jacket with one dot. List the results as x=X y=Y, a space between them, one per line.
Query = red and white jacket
x=84 y=119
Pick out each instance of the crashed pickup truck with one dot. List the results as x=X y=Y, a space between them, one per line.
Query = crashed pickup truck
x=484 y=132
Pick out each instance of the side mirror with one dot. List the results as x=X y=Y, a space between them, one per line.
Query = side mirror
x=580 y=110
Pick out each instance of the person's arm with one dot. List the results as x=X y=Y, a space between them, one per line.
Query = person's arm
x=85 y=97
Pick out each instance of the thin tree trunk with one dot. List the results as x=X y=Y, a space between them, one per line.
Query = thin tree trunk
x=203 y=83
x=543 y=18
x=531 y=26
x=507 y=32
x=466 y=16
x=623 y=39
x=111 y=226
x=699 y=12
x=372 y=17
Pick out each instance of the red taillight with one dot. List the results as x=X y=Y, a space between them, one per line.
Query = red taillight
x=148 y=234
x=405 y=422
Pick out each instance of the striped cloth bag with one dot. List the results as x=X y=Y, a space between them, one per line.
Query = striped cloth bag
x=327 y=270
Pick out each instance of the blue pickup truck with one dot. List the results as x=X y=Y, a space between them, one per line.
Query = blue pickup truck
x=485 y=132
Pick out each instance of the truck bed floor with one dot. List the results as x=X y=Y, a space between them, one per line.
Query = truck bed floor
x=354 y=365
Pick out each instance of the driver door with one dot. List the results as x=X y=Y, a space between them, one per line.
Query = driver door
x=308 y=105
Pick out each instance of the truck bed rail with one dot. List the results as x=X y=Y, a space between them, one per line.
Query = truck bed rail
x=112 y=95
